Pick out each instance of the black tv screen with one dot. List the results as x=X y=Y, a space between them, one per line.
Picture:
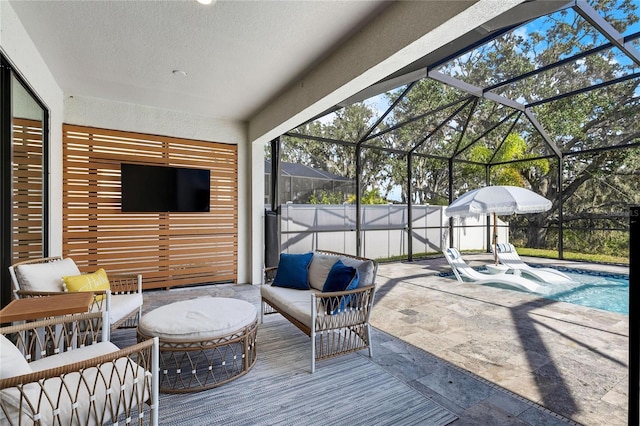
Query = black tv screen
x=164 y=189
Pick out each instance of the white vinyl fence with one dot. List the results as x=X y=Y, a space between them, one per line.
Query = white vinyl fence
x=306 y=227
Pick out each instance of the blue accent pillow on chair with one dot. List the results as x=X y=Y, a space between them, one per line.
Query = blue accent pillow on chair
x=340 y=278
x=293 y=271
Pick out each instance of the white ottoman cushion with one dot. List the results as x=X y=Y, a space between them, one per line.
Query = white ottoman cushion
x=202 y=319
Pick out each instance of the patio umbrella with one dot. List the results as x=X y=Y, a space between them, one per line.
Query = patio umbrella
x=497 y=200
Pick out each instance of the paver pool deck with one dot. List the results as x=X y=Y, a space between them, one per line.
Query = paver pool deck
x=570 y=359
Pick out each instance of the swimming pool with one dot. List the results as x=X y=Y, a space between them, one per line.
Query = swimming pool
x=600 y=290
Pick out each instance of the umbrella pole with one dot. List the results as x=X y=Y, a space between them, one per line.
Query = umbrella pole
x=495 y=238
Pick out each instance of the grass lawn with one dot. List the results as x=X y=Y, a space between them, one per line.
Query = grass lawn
x=585 y=257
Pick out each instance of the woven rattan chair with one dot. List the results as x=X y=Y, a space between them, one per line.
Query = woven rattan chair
x=123 y=301
x=333 y=330
x=61 y=371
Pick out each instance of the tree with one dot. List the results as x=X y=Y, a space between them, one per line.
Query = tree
x=435 y=122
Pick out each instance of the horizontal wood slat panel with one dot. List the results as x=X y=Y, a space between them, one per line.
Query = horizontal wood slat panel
x=168 y=249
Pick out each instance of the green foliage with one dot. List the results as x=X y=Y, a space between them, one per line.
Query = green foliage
x=369 y=197
x=574 y=255
x=325 y=197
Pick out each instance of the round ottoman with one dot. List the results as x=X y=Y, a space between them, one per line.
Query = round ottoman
x=204 y=342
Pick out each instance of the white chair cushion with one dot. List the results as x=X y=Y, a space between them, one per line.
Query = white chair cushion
x=88 y=400
x=45 y=276
x=121 y=306
x=204 y=318
x=296 y=303
x=73 y=355
x=319 y=269
x=12 y=362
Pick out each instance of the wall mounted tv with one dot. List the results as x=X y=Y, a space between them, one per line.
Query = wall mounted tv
x=154 y=189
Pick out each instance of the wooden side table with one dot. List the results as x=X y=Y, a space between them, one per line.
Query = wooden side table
x=33 y=308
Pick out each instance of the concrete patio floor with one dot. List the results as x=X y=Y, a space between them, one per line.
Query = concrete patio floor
x=491 y=356
x=570 y=359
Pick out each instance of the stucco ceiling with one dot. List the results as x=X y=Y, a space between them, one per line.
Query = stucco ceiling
x=237 y=55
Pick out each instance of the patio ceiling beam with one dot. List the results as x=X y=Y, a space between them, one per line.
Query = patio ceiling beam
x=534 y=121
x=418 y=117
x=557 y=64
x=383 y=116
x=319 y=139
x=474 y=90
x=584 y=90
x=548 y=67
x=504 y=139
x=384 y=86
x=524 y=160
x=585 y=10
x=486 y=132
x=368 y=146
x=601 y=149
x=439 y=126
x=472 y=110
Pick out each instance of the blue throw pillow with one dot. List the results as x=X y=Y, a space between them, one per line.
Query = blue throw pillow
x=340 y=278
x=293 y=271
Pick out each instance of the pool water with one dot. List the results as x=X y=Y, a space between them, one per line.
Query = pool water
x=606 y=291
x=600 y=290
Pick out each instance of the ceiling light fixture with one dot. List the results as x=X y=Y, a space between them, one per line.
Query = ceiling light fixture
x=179 y=73
x=206 y=2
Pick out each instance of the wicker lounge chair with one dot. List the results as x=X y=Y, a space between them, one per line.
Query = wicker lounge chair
x=43 y=277
x=463 y=271
x=336 y=321
x=508 y=256
x=63 y=371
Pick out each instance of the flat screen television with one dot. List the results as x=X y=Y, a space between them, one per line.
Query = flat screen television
x=147 y=189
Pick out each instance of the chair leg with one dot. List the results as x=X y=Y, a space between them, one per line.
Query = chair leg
x=261 y=311
x=313 y=352
x=369 y=341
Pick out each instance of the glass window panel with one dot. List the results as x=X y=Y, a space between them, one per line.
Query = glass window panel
x=28 y=180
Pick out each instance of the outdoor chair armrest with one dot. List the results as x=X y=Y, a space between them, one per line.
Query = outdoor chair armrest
x=125 y=283
x=343 y=308
x=57 y=334
x=137 y=349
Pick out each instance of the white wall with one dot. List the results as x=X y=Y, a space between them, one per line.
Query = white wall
x=22 y=53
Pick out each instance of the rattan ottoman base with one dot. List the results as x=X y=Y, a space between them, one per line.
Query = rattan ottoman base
x=192 y=365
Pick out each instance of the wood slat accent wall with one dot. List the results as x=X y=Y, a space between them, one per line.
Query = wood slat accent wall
x=28 y=190
x=168 y=249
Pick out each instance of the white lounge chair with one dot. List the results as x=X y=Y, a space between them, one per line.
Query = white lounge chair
x=462 y=270
x=508 y=256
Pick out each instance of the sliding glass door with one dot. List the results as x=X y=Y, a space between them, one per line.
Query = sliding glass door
x=24 y=168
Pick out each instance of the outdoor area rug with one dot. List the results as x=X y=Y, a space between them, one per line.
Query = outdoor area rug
x=280 y=390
